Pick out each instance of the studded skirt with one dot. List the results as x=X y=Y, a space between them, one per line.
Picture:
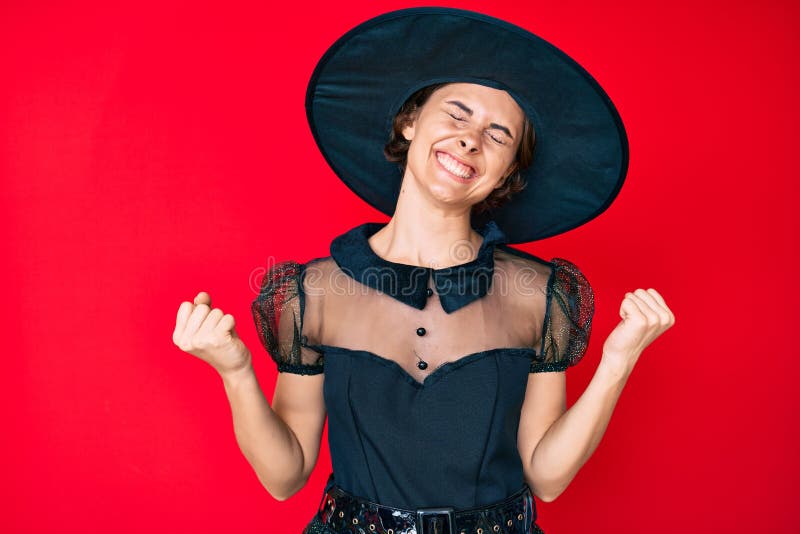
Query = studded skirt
x=343 y=513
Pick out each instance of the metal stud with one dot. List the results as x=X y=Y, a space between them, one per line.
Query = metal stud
x=509 y=522
x=480 y=530
x=520 y=517
x=496 y=528
x=355 y=521
x=341 y=514
x=372 y=528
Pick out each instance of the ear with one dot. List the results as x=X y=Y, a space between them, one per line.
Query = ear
x=411 y=126
x=409 y=130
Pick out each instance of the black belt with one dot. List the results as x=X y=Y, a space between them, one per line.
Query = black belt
x=344 y=512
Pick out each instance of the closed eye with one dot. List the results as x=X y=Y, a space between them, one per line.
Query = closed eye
x=497 y=140
x=464 y=119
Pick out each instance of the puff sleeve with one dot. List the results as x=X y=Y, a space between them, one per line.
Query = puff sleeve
x=568 y=318
x=278 y=316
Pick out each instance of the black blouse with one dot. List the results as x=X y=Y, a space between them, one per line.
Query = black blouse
x=445 y=435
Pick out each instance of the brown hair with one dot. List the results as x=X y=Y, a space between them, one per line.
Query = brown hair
x=396 y=149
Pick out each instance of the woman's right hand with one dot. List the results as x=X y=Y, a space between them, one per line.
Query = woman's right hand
x=209 y=335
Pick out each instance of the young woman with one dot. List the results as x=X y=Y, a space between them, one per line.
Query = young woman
x=437 y=350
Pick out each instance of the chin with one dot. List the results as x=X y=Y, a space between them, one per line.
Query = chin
x=448 y=194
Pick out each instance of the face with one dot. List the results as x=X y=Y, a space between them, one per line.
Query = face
x=463 y=142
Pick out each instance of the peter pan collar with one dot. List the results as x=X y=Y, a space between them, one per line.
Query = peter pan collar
x=456 y=286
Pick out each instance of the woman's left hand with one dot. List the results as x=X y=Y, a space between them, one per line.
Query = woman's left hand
x=645 y=316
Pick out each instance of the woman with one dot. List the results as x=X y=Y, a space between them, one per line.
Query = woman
x=436 y=350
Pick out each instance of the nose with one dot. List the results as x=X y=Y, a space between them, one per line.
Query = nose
x=469 y=141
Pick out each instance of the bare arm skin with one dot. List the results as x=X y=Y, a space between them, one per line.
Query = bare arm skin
x=281 y=442
x=565 y=440
x=554 y=443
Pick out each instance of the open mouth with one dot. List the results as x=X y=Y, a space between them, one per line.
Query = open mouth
x=455 y=167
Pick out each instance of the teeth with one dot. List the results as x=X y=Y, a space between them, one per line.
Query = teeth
x=454 y=166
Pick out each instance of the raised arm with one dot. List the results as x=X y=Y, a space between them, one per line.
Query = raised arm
x=281 y=442
x=298 y=400
x=565 y=440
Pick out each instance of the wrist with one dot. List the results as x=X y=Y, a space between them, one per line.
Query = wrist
x=236 y=375
x=616 y=367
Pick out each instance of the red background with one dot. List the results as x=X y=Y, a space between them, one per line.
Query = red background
x=149 y=152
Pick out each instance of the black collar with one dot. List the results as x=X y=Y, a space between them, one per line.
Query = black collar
x=456 y=286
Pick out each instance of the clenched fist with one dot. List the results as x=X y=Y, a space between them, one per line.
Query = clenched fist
x=210 y=335
x=645 y=316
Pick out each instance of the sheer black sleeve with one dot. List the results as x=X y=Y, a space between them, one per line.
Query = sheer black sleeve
x=278 y=315
x=568 y=318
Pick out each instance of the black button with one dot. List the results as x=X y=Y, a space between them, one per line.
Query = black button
x=429 y=292
x=420 y=331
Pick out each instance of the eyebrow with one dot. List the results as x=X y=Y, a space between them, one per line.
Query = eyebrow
x=469 y=112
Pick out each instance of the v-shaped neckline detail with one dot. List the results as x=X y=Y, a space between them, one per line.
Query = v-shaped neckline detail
x=435 y=375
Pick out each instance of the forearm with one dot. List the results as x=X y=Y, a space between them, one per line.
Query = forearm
x=266 y=441
x=572 y=439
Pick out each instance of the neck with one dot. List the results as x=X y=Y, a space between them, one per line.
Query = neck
x=425 y=233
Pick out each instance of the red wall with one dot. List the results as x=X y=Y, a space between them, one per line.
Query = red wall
x=152 y=151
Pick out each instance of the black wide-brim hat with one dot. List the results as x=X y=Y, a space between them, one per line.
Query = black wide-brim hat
x=581 y=155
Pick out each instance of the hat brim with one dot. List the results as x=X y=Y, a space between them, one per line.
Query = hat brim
x=581 y=155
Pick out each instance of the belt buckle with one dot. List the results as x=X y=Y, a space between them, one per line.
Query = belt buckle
x=448 y=513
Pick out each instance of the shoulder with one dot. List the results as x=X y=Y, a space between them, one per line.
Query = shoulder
x=521 y=264
x=289 y=284
x=534 y=279
x=524 y=264
x=280 y=311
x=569 y=279
x=291 y=274
x=522 y=280
x=317 y=272
x=556 y=296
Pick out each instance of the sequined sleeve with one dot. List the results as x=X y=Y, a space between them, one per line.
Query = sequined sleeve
x=278 y=315
x=568 y=318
